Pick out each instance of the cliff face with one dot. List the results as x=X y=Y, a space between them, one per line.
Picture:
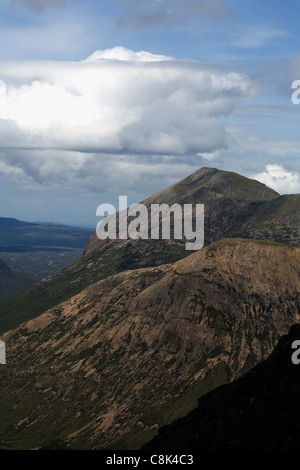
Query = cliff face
x=132 y=352
x=258 y=411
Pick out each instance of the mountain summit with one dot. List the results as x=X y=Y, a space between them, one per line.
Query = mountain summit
x=229 y=199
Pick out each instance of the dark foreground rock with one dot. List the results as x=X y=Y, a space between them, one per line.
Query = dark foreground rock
x=260 y=410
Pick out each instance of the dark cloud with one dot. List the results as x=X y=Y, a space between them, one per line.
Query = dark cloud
x=39 y=5
x=144 y=14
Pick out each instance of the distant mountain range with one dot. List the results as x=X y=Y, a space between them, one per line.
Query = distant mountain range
x=17 y=236
x=35 y=251
x=125 y=339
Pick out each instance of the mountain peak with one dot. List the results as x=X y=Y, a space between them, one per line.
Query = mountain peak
x=229 y=201
x=208 y=183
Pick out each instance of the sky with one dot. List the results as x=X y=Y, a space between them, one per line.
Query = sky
x=125 y=97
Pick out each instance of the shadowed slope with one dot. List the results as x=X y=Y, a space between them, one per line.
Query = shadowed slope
x=260 y=410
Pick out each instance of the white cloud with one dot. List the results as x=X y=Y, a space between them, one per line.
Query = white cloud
x=210 y=155
x=121 y=53
x=280 y=179
x=115 y=102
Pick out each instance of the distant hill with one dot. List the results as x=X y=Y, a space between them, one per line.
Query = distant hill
x=12 y=224
x=259 y=411
x=17 y=236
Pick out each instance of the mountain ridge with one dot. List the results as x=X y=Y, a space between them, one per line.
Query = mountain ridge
x=224 y=217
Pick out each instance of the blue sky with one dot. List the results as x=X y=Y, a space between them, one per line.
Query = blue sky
x=104 y=98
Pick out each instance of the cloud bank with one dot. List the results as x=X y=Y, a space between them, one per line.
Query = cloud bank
x=280 y=179
x=118 y=100
x=115 y=102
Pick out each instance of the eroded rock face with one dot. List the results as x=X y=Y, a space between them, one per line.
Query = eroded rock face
x=259 y=411
x=132 y=352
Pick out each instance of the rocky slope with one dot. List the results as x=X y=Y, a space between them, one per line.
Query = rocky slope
x=258 y=411
x=235 y=206
x=132 y=352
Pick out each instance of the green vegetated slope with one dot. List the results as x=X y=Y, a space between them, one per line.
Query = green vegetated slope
x=109 y=366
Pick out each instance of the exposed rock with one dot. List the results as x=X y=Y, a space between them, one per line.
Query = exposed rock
x=135 y=351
